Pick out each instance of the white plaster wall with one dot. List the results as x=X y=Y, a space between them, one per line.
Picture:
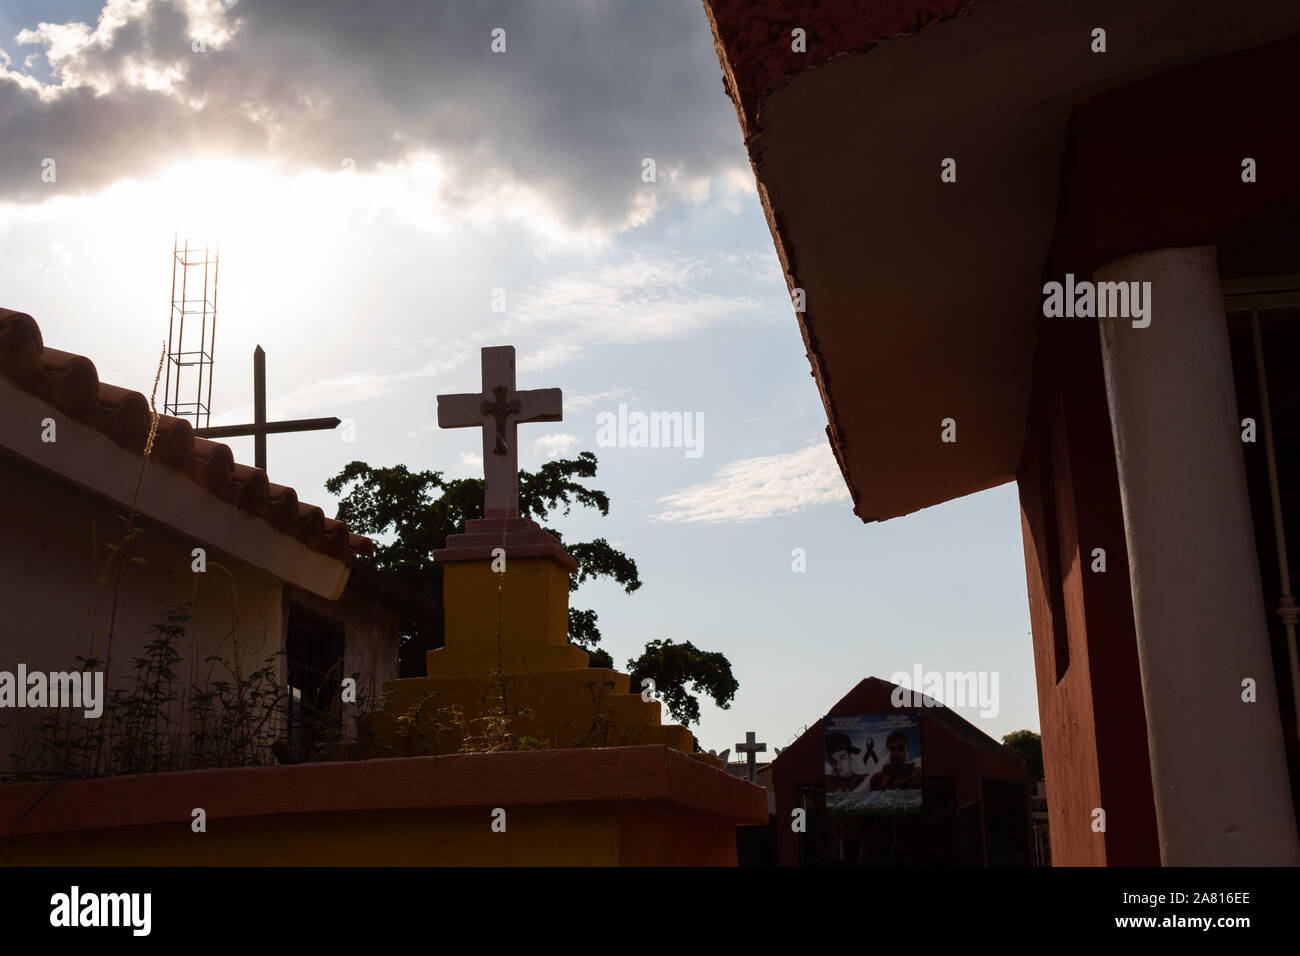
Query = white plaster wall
x=53 y=539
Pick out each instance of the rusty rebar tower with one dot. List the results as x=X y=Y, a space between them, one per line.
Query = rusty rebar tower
x=190 y=356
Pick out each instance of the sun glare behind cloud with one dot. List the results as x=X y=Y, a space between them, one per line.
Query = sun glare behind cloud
x=250 y=204
x=216 y=198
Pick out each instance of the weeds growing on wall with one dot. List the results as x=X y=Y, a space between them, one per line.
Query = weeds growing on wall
x=163 y=721
x=160 y=721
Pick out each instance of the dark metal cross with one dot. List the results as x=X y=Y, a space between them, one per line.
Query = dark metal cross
x=260 y=427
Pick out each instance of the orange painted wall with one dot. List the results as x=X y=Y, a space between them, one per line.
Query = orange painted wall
x=629 y=806
x=594 y=835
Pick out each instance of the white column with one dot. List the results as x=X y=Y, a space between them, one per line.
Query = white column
x=1222 y=793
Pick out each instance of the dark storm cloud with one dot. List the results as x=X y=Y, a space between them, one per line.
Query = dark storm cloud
x=584 y=91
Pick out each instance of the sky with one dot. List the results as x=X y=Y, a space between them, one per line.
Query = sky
x=379 y=179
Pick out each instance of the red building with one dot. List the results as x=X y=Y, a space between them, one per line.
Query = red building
x=975 y=796
x=939 y=175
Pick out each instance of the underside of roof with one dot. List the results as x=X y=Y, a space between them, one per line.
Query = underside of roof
x=922 y=297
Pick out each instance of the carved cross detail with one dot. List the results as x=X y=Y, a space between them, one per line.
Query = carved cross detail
x=499 y=410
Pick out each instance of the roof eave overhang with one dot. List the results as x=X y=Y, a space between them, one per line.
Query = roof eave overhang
x=91 y=460
x=923 y=298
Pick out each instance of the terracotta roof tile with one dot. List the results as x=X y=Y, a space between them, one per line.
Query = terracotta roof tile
x=70 y=384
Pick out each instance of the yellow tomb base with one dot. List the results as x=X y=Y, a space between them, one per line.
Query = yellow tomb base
x=507 y=676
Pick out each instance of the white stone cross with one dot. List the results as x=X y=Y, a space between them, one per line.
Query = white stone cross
x=749 y=748
x=497 y=410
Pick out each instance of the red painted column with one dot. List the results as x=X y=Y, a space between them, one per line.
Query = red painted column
x=1085 y=653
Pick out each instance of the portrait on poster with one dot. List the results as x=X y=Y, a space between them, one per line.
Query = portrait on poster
x=873 y=763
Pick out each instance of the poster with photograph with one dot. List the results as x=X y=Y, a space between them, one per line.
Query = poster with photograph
x=873 y=763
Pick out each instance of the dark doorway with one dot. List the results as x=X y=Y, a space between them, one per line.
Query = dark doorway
x=314 y=655
x=937 y=836
x=1006 y=823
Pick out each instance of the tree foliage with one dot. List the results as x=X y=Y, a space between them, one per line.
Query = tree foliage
x=672 y=666
x=1028 y=746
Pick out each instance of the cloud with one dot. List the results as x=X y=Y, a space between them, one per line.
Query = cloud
x=640 y=299
x=585 y=90
x=755 y=488
x=576 y=403
x=553 y=446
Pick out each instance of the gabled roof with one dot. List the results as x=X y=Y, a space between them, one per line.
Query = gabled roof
x=955 y=722
x=872 y=695
x=70 y=384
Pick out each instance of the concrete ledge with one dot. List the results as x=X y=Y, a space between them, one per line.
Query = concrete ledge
x=518 y=537
x=623 y=805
